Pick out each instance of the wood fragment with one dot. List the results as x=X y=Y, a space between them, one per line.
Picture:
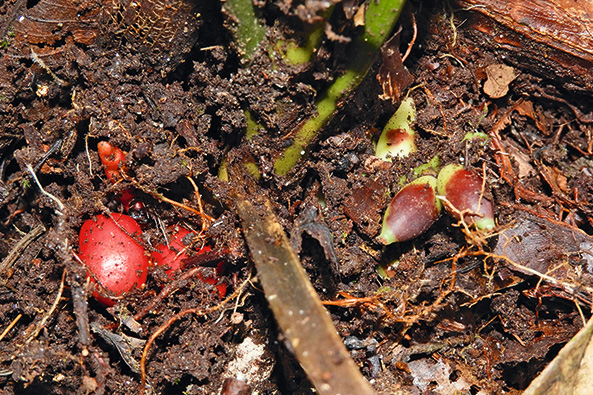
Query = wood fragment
x=304 y=321
x=526 y=29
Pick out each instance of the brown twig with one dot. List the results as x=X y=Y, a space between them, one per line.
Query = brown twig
x=165 y=199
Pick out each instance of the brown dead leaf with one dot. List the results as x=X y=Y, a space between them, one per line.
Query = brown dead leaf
x=499 y=77
x=364 y=206
x=359 y=17
x=523 y=160
x=555 y=179
x=393 y=75
x=48 y=22
x=555 y=251
x=525 y=108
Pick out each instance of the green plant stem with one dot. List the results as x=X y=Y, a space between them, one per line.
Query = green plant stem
x=293 y=53
x=248 y=32
x=380 y=18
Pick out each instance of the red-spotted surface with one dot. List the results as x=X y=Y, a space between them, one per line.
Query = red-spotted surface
x=112 y=158
x=175 y=253
x=113 y=258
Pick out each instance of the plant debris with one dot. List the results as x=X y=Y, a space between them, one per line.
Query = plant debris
x=200 y=113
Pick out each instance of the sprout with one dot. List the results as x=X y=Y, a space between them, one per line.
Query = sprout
x=411 y=212
x=463 y=190
x=397 y=138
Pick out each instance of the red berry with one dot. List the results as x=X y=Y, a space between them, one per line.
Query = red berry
x=411 y=212
x=113 y=258
x=174 y=255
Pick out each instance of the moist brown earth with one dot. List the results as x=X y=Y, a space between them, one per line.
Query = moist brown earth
x=163 y=81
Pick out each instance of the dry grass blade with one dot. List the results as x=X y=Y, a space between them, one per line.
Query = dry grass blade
x=20 y=246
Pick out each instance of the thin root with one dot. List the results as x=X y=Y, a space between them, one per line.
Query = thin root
x=199 y=312
x=10 y=326
x=206 y=219
x=53 y=307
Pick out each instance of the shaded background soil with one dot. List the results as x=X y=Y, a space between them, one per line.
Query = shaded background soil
x=163 y=81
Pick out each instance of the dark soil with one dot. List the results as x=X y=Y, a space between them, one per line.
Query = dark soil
x=437 y=314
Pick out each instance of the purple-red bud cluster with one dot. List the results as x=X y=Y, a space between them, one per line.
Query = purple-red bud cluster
x=411 y=212
x=417 y=205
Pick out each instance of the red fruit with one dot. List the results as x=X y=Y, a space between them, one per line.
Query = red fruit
x=111 y=157
x=174 y=255
x=114 y=258
x=463 y=189
x=411 y=212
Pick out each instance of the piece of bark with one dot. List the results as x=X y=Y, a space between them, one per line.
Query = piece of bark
x=307 y=326
x=550 y=37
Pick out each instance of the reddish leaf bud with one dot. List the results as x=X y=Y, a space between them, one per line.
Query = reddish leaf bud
x=463 y=189
x=397 y=138
x=411 y=212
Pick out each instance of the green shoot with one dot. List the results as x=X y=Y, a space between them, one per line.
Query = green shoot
x=380 y=18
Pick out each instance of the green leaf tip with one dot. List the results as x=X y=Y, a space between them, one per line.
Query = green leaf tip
x=397 y=139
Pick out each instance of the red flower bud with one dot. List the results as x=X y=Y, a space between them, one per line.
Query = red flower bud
x=411 y=212
x=463 y=189
x=111 y=157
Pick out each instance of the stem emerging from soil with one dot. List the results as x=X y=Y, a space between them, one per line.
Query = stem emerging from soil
x=248 y=31
x=380 y=18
